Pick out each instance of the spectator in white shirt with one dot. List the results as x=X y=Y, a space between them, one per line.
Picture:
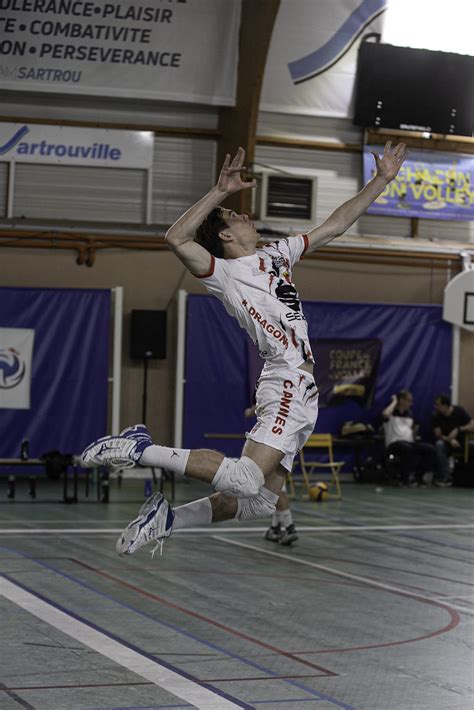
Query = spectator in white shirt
x=415 y=457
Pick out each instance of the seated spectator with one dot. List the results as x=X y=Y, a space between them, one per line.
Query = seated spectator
x=450 y=422
x=415 y=457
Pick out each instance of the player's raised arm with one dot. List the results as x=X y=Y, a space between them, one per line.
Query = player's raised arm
x=344 y=216
x=180 y=236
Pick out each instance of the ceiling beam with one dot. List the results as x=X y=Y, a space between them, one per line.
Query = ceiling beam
x=238 y=124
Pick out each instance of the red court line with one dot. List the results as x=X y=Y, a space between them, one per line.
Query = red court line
x=201 y=680
x=76 y=685
x=188 y=572
x=49 y=557
x=206 y=619
x=263 y=677
x=455 y=619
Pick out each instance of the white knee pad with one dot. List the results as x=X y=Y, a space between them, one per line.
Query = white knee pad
x=260 y=506
x=242 y=478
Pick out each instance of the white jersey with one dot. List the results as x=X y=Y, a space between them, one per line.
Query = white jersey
x=399 y=427
x=258 y=291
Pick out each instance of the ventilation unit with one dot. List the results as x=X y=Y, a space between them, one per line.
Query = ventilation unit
x=287 y=198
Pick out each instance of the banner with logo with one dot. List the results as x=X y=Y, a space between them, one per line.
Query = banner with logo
x=179 y=50
x=430 y=184
x=34 y=143
x=65 y=368
x=347 y=369
x=16 y=360
x=312 y=60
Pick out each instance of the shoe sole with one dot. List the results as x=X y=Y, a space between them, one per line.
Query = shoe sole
x=89 y=448
x=131 y=531
x=129 y=535
x=92 y=455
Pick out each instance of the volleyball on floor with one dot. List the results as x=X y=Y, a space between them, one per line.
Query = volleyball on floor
x=319 y=492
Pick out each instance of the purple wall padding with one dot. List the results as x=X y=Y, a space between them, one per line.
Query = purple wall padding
x=416 y=354
x=69 y=385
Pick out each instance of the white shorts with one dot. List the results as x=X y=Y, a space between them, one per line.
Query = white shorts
x=286 y=410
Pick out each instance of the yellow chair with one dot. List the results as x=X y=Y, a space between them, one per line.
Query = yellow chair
x=308 y=466
x=469 y=436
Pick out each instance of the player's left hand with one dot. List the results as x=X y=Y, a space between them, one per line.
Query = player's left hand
x=391 y=161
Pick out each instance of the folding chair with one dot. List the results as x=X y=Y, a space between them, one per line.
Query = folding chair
x=308 y=466
x=468 y=438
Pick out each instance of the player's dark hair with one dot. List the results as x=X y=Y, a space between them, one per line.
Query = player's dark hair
x=444 y=399
x=404 y=394
x=207 y=234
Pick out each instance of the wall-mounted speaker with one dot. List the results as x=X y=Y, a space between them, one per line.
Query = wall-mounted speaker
x=148 y=335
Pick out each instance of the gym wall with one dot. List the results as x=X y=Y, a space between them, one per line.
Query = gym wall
x=184 y=169
x=150 y=280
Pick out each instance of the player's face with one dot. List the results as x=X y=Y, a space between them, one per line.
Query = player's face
x=241 y=227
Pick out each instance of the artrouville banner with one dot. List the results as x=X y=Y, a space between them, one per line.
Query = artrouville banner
x=430 y=184
x=179 y=50
x=68 y=145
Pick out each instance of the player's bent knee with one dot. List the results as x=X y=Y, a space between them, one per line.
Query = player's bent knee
x=260 y=506
x=242 y=478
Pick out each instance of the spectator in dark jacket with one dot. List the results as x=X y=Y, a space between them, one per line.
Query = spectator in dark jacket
x=450 y=423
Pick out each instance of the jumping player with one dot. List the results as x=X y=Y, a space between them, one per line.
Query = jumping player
x=219 y=247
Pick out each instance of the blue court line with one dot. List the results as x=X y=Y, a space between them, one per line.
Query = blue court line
x=145 y=707
x=127 y=644
x=230 y=654
x=166 y=707
x=342 y=40
x=290 y=700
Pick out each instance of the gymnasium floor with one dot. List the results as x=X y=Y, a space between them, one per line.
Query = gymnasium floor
x=372 y=609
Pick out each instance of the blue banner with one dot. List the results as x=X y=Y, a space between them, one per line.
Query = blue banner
x=69 y=369
x=432 y=185
x=415 y=353
x=347 y=368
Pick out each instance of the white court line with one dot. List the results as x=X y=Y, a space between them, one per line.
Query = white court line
x=338 y=573
x=455 y=596
x=73 y=521
x=170 y=681
x=212 y=530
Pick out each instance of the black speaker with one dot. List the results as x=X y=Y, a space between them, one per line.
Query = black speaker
x=148 y=335
x=414 y=89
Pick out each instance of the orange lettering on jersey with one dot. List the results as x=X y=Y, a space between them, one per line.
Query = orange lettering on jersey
x=284 y=407
x=267 y=327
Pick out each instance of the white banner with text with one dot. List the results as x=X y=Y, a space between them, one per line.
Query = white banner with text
x=179 y=50
x=35 y=143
